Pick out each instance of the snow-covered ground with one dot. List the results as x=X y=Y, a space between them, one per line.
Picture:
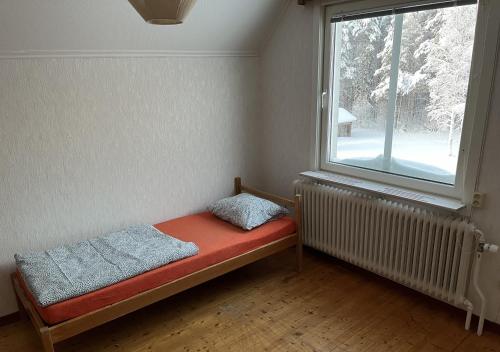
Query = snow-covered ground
x=421 y=149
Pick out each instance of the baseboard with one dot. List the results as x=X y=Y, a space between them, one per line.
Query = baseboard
x=9 y=319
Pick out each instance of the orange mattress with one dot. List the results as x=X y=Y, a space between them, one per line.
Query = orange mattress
x=217 y=241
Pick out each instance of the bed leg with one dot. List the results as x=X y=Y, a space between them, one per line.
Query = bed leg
x=237 y=185
x=26 y=308
x=48 y=345
x=22 y=313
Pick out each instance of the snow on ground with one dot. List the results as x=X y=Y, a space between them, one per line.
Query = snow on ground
x=417 y=148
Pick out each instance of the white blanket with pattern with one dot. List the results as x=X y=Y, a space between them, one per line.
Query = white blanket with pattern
x=72 y=270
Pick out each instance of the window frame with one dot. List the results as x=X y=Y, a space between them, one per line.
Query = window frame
x=477 y=105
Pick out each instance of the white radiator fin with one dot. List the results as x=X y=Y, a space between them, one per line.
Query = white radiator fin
x=422 y=250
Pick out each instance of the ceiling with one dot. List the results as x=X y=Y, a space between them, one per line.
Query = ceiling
x=65 y=26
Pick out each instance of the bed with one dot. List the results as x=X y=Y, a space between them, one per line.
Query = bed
x=222 y=248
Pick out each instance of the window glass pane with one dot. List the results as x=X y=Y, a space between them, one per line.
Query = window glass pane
x=418 y=135
x=361 y=114
x=432 y=89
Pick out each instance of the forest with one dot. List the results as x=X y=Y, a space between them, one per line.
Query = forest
x=433 y=77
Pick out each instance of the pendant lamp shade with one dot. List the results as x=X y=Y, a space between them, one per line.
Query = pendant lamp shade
x=163 y=11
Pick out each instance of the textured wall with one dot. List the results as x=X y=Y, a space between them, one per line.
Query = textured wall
x=488 y=217
x=287 y=78
x=91 y=145
x=286 y=98
x=45 y=26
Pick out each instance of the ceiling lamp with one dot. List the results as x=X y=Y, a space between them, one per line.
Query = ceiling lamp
x=163 y=11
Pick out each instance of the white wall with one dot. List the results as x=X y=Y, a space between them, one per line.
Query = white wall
x=89 y=145
x=488 y=218
x=286 y=91
x=43 y=26
x=287 y=120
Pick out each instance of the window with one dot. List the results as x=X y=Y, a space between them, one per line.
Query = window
x=395 y=92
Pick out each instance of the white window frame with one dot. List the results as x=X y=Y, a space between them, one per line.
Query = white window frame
x=482 y=71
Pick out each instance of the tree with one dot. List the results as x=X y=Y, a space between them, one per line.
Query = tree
x=434 y=64
x=412 y=88
x=447 y=62
x=362 y=40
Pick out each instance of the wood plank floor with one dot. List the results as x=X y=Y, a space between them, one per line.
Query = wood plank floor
x=266 y=306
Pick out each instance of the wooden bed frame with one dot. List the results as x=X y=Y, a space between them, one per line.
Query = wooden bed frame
x=51 y=334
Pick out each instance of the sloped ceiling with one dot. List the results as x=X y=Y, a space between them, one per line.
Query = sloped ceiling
x=29 y=27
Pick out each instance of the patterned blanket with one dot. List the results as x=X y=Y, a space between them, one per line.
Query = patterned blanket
x=76 y=269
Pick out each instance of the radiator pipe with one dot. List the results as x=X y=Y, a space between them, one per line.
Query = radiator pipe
x=477 y=265
x=482 y=246
x=470 y=307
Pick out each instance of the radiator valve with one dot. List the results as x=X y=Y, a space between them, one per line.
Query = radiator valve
x=487 y=247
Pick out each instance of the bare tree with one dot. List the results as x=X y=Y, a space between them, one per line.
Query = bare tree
x=448 y=61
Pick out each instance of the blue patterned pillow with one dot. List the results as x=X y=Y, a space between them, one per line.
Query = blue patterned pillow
x=246 y=211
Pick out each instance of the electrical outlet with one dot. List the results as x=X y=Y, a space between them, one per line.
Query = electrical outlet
x=477 y=199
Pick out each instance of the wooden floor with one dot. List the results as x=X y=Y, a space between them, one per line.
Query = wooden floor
x=266 y=306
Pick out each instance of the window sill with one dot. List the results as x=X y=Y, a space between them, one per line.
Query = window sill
x=383 y=189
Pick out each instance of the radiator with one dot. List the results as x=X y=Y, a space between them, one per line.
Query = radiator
x=426 y=251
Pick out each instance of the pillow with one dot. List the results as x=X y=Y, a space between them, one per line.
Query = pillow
x=246 y=211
